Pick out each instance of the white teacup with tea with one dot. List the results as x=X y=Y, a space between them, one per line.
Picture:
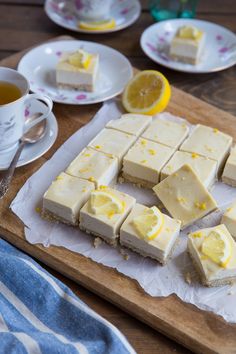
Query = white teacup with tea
x=14 y=98
x=93 y=10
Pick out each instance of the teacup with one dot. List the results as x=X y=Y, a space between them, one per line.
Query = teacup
x=13 y=123
x=93 y=10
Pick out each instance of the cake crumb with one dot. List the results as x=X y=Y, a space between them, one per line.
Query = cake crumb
x=188 y=278
x=97 y=242
x=124 y=254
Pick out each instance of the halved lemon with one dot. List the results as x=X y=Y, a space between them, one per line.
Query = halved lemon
x=150 y=223
x=148 y=92
x=217 y=247
x=97 y=25
x=103 y=202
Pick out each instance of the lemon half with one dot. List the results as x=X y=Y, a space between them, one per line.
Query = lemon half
x=150 y=223
x=217 y=247
x=148 y=92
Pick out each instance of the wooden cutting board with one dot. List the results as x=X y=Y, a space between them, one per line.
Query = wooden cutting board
x=201 y=331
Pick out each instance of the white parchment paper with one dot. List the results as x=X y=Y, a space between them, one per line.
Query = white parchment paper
x=153 y=278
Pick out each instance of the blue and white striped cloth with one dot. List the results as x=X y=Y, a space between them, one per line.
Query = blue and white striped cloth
x=40 y=315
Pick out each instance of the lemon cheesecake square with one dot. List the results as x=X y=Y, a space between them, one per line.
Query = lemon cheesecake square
x=209 y=142
x=77 y=70
x=184 y=196
x=165 y=132
x=187 y=45
x=104 y=213
x=150 y=233
x=65 y=197
x=94 y=166
x=229 y=219
x=213 y=252
x=113 y=142
x=143 y=162
x=130 y=123
x=229 y=173
x=204 y=167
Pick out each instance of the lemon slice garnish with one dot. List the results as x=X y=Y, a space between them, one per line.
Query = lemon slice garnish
x=147 y=93
x=217 y=247
x=103 y=202
x=150 y=223
x=80 y=59
x=97 y=25
x=188 y=32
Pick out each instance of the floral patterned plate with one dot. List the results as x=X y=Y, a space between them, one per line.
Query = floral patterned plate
x=38 y=66
x=31 y=152
x=63 y=13
x=219 y=53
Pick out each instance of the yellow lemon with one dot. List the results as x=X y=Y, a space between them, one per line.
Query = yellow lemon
x=217 y=247
x=81 y=59
x=189 y=32
x=97 y=25
x=148 y=92
x=149 y=224
x=103 y=202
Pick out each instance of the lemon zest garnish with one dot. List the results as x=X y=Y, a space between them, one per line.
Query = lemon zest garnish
x=91 y=179
x=197 y=234
x=102 y=187
x=229 y=209
x=181 y=199
x=194 y=155
x=144 y=161
x=59 y=178
x=82 y=170
x=200 y=206
x=98 y=146
x=215 y=130
x=87 y=155
x=38 y=210
x=152 y=151
x=144 y=142
x=84 y=190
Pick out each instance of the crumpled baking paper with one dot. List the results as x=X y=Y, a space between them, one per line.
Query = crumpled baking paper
x=156 y=280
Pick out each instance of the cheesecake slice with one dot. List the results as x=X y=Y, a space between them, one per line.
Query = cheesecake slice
x=229 y=219
x=77 y=70
x=184 y=196
x=187 y=45
x=65 y=197
x=104 y=213
x=209 y=142
x=155 y=240
x=113 y=142
x=94 y=166
x=165 y=132
x=204 y=167
x=143 y=162
x=213 y=252
x=229 y=173
x=130 y=123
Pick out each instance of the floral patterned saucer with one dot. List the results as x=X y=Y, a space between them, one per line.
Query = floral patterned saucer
x=63 y=13
x=38 y=66
x=219 y=53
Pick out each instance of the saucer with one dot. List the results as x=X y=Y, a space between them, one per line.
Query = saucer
x=32 y=152
x=63 y=13
x=39 y=67
x=219 y=53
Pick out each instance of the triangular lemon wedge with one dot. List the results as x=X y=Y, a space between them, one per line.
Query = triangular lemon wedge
x=150 y=223
x=103 y=202
x=217 y=247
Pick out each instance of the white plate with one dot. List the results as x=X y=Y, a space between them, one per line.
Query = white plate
x=32 y=152
x=219 y=53
x=63 y=13
x=38 y=66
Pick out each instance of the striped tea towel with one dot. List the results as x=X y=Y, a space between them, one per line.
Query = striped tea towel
x=40 y=315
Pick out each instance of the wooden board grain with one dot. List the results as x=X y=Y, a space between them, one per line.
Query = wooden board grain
x=201 y=331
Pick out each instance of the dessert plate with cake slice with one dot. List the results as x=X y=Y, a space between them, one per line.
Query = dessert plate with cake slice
x=64 y=13
x=76 y=72
x=190 y=45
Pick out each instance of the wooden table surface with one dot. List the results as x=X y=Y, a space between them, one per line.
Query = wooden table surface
x=23 y=23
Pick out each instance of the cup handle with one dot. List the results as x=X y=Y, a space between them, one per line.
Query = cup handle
x=47 y=100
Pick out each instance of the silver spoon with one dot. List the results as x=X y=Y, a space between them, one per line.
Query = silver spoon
x=32 y=136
